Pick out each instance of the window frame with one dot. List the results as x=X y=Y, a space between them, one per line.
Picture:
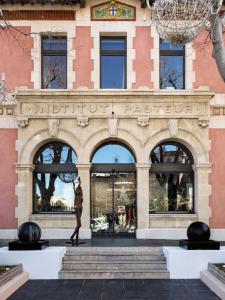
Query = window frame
x=180 y=53
x=114 y=53
x=53 y=53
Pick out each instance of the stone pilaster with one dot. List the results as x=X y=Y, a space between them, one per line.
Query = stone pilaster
x=24 y=192
x=142 y=198
x=84 y=173
x=202 y=191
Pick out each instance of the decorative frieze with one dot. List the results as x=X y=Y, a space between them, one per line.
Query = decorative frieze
x=4 y=110
x=218 y=111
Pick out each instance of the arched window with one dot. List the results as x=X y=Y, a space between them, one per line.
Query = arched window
x=171 y=179
x=54 y=173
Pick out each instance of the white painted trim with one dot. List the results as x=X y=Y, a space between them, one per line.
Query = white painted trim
x=189 y=66
x=50 y=233
x=216 y=285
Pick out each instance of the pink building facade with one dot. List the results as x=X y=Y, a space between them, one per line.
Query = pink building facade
x=140 y=121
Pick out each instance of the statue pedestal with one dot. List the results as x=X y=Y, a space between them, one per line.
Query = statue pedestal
x=204 y=245
x=20 y=246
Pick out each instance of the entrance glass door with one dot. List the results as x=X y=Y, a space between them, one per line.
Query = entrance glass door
x=113 y=202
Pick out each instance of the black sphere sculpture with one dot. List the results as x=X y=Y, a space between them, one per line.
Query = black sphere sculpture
x=198 y=232
x=29 y=232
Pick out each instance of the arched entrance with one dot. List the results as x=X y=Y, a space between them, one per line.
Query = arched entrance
x=113 y=190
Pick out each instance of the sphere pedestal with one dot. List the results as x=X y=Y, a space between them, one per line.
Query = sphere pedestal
x=198 y=238
x=29 y=234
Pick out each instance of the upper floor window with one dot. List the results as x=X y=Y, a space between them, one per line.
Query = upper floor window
x=54 y=62
x=172 y=66
x=113 y=62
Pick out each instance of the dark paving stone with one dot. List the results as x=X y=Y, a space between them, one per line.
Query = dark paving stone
x=147 y=289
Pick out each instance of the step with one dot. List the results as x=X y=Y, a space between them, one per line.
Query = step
x=113 y=265
x=114 y=250
x=115 y=256
x=114 y=274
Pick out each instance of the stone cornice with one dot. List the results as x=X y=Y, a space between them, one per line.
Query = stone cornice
x=114 y=94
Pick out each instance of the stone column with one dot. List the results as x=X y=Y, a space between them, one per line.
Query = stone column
x=24 y=192
x=142 y=199
x=84 y=173
x=202 y=191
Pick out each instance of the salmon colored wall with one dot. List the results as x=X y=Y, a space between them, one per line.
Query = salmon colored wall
x=8 y=178
x=143 y=65
x=83 y=64
x=217 y=178
x=205 y=66
x=15 y=57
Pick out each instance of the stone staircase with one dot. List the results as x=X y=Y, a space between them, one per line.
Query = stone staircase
x=114 y=263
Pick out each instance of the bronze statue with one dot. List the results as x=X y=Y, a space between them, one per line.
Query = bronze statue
x=78 y=210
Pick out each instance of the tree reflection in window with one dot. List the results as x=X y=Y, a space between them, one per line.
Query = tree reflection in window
x=171 y=179
x=54 y=62
x=172 y=63
x=51 y=193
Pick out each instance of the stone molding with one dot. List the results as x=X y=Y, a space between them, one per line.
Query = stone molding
x=173 y=126
x=7 y=110
x=25 y=167
x=202 y=167
x=140 y=166
x=83 y=166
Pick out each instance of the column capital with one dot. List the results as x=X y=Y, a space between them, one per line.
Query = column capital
x=202 y=167
x=25 y=167
x=83 y=166
x=140 y=166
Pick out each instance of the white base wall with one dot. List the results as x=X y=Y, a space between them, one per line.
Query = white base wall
x=187 y=264
x=48 y=233
x=150 y=233
x=40 y=264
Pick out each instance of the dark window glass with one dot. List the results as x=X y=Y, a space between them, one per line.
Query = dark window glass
x=54 y=63
x=113 y=63
x=54 y=175
x=171 y=180
x=172 y=64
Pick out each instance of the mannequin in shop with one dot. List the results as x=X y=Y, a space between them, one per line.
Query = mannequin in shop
x=78 y=200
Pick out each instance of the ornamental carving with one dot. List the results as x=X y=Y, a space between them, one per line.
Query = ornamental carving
x=143 y=121
x=53 y=127
x=83 y=122
x=203 y=122
x=113 y=11
x=22 y=122
x=113 y=126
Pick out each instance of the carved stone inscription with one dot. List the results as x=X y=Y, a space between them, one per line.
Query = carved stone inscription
x=68 y=109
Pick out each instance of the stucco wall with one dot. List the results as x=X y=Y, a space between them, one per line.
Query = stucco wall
x=15 y=53
x=8 y=178
x=206 y=73
x=83 y=64
x=217 y=178
x=143 y=65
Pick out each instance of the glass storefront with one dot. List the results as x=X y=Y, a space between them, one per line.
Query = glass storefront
x=113 y=190
x=113 y=202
